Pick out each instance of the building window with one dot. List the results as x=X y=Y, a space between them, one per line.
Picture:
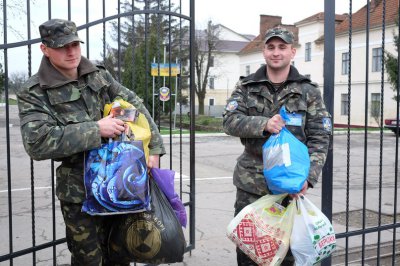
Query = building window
x=307 y=53
x=344 y=104
x=376 y=59
x=211 y=83
x=375 y=104
x=345 y=63
x=211 y=61
x=211 y=102
x=247 y=70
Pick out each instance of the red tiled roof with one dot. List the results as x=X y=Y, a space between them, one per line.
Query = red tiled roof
x=320 y=17
x=267 y=22
x=359 y=18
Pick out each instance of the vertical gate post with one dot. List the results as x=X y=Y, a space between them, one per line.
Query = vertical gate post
x=192 y=126
x=329 y=84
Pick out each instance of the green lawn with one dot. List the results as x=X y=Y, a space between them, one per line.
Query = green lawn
x=10 y=101
x=165 y=131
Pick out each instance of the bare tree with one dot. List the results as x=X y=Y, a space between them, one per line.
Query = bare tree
x=205 y=48
x=16 y=79
x=16 y=9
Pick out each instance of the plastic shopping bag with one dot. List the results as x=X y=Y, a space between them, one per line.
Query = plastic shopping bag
x=116 y=179
x=313 y=237
x=286 y=161
x=165 y=181
x=138 y=127
x=154 y=236
x=262 y=229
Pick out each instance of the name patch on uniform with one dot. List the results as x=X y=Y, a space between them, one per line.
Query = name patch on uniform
x=294 y=119
x=326 y=122
x=231 y=106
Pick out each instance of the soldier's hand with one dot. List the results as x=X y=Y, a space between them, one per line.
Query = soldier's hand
x=275 y=124
x=303 y=191
x=110 y=127
x=154 y=161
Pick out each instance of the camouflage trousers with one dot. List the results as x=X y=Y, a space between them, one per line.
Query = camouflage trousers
x=86 y=236
x=243 y=199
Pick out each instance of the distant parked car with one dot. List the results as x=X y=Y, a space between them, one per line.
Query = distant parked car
x=391 y=124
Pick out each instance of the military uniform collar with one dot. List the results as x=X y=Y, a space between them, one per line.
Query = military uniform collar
x=294 y=76
x=49 y=77
x=261 y=75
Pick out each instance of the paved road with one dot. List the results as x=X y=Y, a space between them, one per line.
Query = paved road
x=215 y=159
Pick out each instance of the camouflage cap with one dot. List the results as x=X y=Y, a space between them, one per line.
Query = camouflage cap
x=56 y=33
x=282 y=33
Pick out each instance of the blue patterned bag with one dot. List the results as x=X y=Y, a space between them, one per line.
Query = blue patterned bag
x=116 y=179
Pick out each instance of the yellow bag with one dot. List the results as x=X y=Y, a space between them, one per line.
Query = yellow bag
x=140 y=127
x=262 y=229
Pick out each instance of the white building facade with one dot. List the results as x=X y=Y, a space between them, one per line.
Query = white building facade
x=363 y=79
x=369 y=86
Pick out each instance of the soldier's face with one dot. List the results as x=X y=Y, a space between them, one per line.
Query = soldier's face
x=278 y=54
x=66 y=58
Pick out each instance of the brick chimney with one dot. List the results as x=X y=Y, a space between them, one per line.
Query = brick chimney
x=267 y=22
x=374 y=4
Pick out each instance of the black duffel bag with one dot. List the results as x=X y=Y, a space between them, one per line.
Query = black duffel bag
x=154 y=236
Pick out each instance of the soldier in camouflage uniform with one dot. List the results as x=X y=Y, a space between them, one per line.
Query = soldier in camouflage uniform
x=60 y=109
x=252 y=113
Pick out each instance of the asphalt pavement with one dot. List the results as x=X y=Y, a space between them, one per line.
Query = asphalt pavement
x=216 y=156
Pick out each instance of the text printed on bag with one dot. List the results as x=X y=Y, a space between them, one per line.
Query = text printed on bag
x=325 y=241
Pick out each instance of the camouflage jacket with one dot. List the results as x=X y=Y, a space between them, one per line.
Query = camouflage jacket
x=253 y=102
x=58 y=119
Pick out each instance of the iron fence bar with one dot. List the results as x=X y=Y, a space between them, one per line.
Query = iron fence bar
x=104 y=31
x=26 y=251
x=156 y=100
x=93 y=23
x=368 y=230
x=365 y=131
x=381 y=131
x=146 y=53
x=179 y=91
x=396 y=164
x=179 y=96
x=33 y=219
x=119 y=41
x=133 y=48
x=53 y=212
x=192 y=127
x=170 y=82
x=10 y=220
x=348 y=128
x=69 y=9
x=87 y=31
x=49 y=9
x=329 y=84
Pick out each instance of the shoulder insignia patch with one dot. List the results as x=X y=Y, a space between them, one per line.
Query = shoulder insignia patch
x=231 y=106
x=327 y=124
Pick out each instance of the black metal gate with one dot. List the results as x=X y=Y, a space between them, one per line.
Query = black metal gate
x=362 y=198
x=146 y=45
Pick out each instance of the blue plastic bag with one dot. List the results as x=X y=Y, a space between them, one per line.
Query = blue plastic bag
x=116 y=179
x=286 y=161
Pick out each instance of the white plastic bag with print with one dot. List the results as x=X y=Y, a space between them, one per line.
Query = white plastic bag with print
x=262 y=229
x=313 y=237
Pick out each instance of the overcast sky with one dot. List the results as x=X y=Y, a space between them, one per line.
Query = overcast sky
x=244 y=16
x=240 y=16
